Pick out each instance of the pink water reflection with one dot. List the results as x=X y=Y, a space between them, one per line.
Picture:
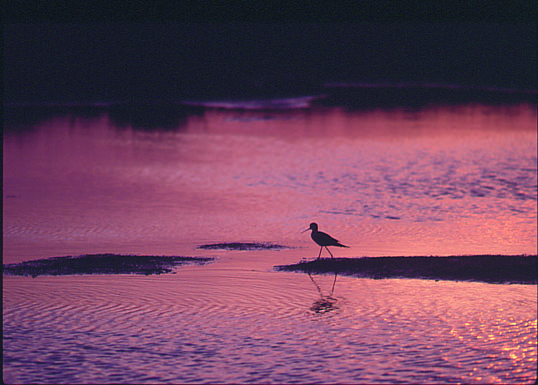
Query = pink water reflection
x=435 y=181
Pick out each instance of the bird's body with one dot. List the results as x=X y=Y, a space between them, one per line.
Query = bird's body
x=323 y=239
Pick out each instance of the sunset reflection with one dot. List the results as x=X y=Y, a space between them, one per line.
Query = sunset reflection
x=157 y=179
x=440 y=181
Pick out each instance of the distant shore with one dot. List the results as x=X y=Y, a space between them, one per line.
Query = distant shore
x=520 y=269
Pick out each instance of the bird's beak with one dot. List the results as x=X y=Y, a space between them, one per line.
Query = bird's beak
x=305 y=230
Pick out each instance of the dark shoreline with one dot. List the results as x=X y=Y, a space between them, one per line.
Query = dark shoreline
x=173 y=114
x=519 y=269
x=101 y=264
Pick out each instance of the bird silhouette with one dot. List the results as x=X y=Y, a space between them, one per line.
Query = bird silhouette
x=323 y=239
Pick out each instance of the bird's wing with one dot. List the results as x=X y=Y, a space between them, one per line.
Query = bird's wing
x=327 y=238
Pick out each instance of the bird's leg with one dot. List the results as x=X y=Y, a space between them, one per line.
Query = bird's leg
x=329 y=252
x=320 y=250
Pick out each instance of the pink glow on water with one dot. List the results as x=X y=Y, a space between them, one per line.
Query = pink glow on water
x=439 y=181
x=224 y=324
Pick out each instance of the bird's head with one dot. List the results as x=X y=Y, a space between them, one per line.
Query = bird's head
x=313 y=227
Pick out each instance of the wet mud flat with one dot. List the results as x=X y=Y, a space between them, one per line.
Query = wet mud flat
x=101 y=264
x=243 y=246
x=520 y=269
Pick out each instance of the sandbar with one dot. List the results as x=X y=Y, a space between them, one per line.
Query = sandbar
x=101 y=264
x=520 y=269
x=243 y=246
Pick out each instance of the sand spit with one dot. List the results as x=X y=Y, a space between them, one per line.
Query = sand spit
x=243 y=246
x=101 y=264
x=520 y=269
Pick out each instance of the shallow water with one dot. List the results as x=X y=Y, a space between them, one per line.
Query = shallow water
x=227 y=322
x=434 y=181
x=458 y=180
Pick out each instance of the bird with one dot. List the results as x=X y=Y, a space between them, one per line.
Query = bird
x=323 y=239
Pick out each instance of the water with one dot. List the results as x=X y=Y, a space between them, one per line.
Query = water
x=430 y=181
x=458 y=180
x=232 y=324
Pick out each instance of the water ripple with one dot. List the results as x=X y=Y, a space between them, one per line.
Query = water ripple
x=258 y=326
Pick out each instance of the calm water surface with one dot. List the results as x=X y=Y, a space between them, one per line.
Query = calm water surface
x=436 y=181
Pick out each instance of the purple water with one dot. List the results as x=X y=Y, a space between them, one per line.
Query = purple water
x=429 y=181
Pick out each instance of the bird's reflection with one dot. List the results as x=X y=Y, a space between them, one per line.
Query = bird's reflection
x=326 y=303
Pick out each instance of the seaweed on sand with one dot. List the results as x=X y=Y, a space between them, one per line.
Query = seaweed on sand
x=101 y=264
x=521 y=269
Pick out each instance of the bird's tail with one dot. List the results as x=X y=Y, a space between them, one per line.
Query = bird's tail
x=340 y=245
